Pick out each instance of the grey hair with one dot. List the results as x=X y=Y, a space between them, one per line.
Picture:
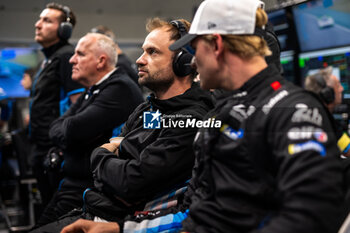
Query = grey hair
x=311 y=83
x=106 y=45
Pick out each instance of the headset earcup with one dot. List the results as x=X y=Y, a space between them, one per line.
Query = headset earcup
x=182 y=64
x=274 y=45
x=327 y=94
x=65 y=30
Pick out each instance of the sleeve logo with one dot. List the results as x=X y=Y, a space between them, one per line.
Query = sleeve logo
x=307 y=146
x=305 y=114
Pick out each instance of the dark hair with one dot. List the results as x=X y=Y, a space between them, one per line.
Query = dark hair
x=155 y=23
x=64 y=15
x=105 y=31
x=31 y=71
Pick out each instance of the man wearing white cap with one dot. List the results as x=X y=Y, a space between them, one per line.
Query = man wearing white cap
x=273 y=165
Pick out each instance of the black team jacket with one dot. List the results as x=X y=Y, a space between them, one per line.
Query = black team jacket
x=274 y=165
x=151 y=161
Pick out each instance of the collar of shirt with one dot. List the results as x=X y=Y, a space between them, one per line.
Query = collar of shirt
x=94 y=88
x=105 y=77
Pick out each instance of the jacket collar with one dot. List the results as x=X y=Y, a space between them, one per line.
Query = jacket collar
x=261 y=80
x=53 y=48
x=193 y=94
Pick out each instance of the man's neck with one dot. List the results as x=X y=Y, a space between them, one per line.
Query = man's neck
x=49 y=44
x=179 y=86
x=240 y=71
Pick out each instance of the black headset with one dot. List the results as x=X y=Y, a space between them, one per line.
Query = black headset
x=274 y=45
x=327 y=92
x=65 y=29
x=182 y=60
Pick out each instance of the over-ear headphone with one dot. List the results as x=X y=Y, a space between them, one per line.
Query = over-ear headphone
x=274 y=45
x=65 y=29
x=182 y=60
x=327 y=92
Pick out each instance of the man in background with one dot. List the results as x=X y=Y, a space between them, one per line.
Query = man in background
x=123 y=61
x=52 y=81
x=328 y=87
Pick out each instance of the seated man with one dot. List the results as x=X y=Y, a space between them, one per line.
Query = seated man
x=253 y=174
x=328 y=87
x=156 y=154
x=108 y=101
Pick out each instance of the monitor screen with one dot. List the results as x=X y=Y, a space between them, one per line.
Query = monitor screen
x=287 y=61
x=281 y=27
x=279 y=4
x=338 y=58
x=322 y=24
x=13 y=63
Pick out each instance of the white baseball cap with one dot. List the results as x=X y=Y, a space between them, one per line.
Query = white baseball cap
x=226 y=17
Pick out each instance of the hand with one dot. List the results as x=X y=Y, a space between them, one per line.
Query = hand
x=88 y=226
x=112 y=147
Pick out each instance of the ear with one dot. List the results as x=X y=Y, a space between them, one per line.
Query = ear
x=102 y=61
x=219 y=45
